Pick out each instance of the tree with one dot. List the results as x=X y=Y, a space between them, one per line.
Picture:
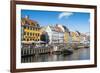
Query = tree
x=44 y=37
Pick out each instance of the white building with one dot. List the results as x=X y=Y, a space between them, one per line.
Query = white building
x=85 y=38
x=56 y=34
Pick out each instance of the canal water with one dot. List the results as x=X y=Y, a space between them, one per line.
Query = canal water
x=79 y=54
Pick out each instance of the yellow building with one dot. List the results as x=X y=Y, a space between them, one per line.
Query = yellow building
x=66 y=37
x=75 y=37
x=30 y=30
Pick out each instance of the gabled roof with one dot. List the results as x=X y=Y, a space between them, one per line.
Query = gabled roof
x=66 y=29
x=55 y=28
x=52 y=28
x=25 y=21
x=73 y=33
x=58 y=29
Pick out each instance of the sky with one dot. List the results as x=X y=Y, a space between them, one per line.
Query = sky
x=74 y=21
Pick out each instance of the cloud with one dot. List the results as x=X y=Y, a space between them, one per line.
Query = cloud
x=65 y=14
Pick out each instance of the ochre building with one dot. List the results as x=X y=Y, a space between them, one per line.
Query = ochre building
x=30 y=30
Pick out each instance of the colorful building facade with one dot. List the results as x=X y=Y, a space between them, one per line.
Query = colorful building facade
x=30 y=30
x=56 y=34
x=75 y=37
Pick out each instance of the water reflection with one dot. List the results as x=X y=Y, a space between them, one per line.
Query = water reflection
x=80 y=54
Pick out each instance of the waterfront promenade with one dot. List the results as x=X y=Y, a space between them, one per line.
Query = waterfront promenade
x=70 y=51
x=79 y=54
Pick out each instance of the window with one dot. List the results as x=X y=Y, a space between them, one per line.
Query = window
x=34 y=28
x=24 y=39
x=27 y=39
x=30 y=34
x=24 y=27
x=30 y=28
x=33 y=34
x=38 y=34
x=27 y=27
x=27 y=33
x=24 y=33
x=38 y=39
